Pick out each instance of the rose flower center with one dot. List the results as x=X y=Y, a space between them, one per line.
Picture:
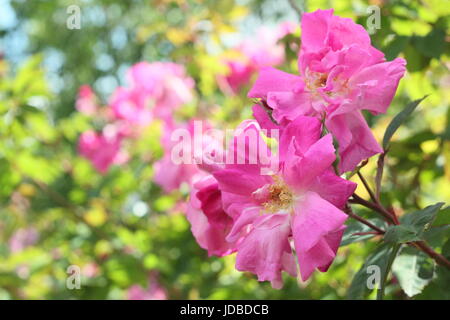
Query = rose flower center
x=279 y=197
x=315 y=80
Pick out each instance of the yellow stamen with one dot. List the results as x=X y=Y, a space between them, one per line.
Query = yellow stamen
x=280 y=197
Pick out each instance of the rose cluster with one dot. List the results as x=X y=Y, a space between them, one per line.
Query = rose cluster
x=277 y=210
x=292 y=217
x=156 y=90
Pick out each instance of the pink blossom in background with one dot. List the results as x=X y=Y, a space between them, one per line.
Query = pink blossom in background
x=132 y=105
x=255 y=53
x=341 y=73
x=263 y=49
x=86 y=101
x=103 y=149
x=23 y=238
x=91 y=270
x=239 y=73
x=156 y=90
x=298 y=205
x=154 y=291
x=285 y=28
x=165 y=83
x=169 y=174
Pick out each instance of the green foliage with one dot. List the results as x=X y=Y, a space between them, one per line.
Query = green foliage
x=379 y=257
x=355 y=231
x=120 y=227
x=413 y=225
x=414 y=270
x=398 y=120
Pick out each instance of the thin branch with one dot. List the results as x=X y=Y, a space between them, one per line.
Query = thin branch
x=439 y=258
x=366 y=185
x=351 y=214
x=297 y=9
x=366 y=233
x=374 y=206
x=379 y=176
x=420 y=245
x=377 y=206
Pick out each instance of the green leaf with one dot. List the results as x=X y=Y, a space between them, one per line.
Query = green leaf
x=386 y=269
x=413 y=225
x=396 y=46
x=443 y=217
x=398 y=120
x=359 y=287
x=432 y=45
x=400 y=234
x=437 y=235
x=414 y=270
x=422 y=218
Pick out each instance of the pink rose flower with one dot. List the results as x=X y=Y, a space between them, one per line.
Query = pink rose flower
x=298 y=205
x=156 y=90
x=166 y=83
x=132 y=105
x=154 y=291
x=210 y=224
x=341 y=73
x=168 y=173
x=255 y=54
x=86 y=101
x=23 y=238
x=102 y=149
x=240 y=71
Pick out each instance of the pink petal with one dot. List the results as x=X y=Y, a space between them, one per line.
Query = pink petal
x=265 y=251
x=246 y=217
x=270 y=79
x=356 y=141
x=248 y=151
x=315 y=223
x=377 y=85
x=209 y=223
x=287 y=106
x=315 y=27
x=261 y=115
x=305 y=130
x=333 y=240
x=300 y=171
x=238 y=182
x=333 y=188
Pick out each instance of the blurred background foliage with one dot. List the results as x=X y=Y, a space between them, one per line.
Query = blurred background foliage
x=120 y=228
